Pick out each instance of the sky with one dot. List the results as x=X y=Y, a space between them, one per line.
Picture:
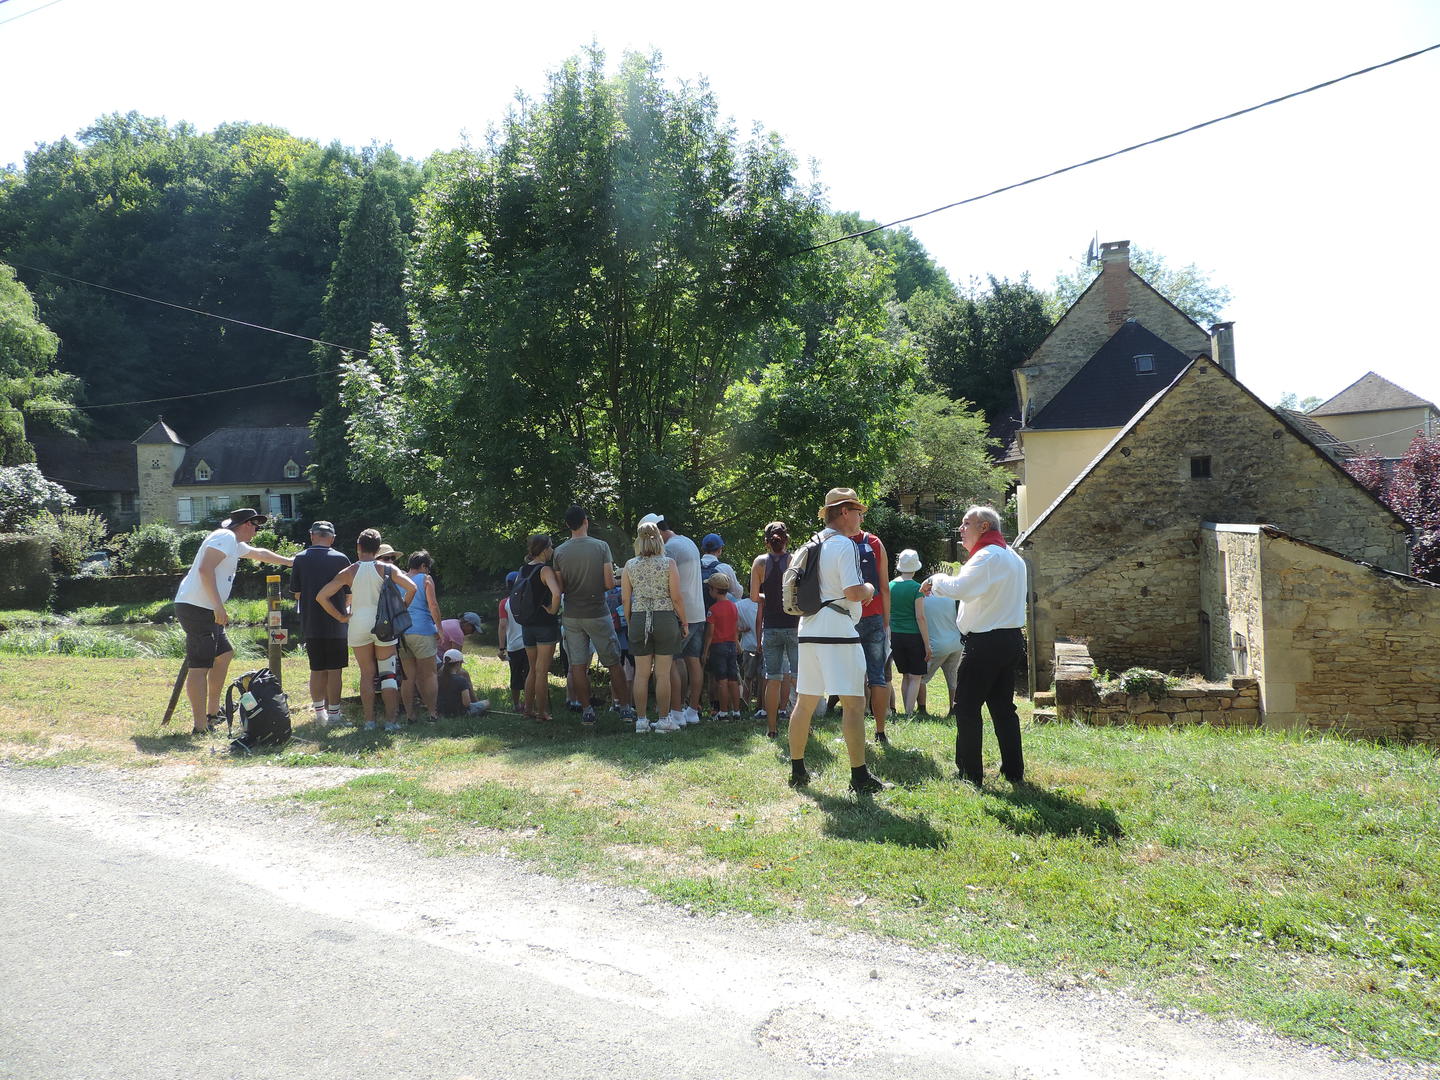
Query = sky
x=1318 y=214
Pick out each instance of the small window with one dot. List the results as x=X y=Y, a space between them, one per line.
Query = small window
x=202 y=471
x=185 y=508
x=291 y=470
x=1145 y=364
x=1200 y=468
x=155 y=463
x=127 y=502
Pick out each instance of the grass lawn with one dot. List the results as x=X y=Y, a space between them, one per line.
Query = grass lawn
x=1291 y=881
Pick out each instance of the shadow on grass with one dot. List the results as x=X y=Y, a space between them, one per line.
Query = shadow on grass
x=1033 y=811
x=908 y=768
x=863 y=820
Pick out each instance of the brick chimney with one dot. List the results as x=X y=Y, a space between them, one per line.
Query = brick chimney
x=1115 y=282
x=1222 y=345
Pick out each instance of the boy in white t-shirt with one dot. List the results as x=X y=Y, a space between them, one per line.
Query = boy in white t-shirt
x=200 y=610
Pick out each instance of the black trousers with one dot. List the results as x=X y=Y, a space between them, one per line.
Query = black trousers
x=519 y=671
x=987 y=677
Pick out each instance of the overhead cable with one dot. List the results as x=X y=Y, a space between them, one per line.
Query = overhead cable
x=1117 y=153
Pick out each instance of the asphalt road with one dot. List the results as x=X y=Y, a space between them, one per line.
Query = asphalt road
x=152 y=929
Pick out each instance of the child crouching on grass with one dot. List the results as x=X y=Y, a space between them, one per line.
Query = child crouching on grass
x=456 y=695
x=721 y=652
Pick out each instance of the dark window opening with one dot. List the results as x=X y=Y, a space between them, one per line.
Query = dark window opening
x=1200 y=468
x=1145 y=364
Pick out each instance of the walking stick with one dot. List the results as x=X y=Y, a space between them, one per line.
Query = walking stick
x=175 y=693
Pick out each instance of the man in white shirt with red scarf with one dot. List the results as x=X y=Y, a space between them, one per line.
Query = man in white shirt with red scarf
x=991 y=591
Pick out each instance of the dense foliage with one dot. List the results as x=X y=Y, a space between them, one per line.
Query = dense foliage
x=30 y=387
x=1414 y=494
x=607 y=307
x=24 y=492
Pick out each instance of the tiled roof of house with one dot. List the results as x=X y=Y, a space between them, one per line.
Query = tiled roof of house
x=246 y=455
x=161 y=432
x=1370 y=393
x=1318 y=435
x=1109 y=389
x=80 y=465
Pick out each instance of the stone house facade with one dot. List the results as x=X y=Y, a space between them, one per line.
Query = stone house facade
x=186 y=485
x=1376 y=417
x=1116 y=559
x=1334 y=643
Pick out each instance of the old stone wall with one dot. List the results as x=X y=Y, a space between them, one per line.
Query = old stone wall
x=1232 y=703
x=1230 y=599
x=1117 y=560
x=1347 y=647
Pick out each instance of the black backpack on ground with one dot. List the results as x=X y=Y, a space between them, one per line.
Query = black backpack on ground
x=525 y=606
x=264 y=711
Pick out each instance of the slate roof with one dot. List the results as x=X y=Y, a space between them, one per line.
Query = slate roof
x=1370 y=393
x=1318 y=435
x=247 y=455
x=161 y=432
x=1108 y=391
x=80 y=465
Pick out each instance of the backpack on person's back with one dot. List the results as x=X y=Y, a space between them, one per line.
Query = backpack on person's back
x=525 y=605
x=800 y=586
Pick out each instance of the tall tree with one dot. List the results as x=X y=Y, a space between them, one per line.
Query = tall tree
x=1189 y=288
x=366 y=291
x=30 y=387
x=602 y=298
x=973 y=345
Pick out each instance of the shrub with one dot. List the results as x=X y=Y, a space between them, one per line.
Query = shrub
x=899 y=531
x=189 y=545
x=72 y=536
x=268 y=538
x=24 y=492
x=151 y=549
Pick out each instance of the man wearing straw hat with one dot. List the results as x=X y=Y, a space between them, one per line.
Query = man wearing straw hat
x=832 y=660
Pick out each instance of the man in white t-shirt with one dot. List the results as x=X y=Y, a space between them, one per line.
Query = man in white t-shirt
x=200 y=610
x=832 y=660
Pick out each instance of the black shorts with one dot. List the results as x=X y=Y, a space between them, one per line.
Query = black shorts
x=327 y=653
x=724 y=661
x=204 y=638
x=908 y=652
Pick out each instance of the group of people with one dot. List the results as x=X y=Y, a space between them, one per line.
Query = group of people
x=674 y=612
x=337 y=601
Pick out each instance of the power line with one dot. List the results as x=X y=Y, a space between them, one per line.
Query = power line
x=193 y=311
x=202 y=393
x=32 y=11
x=1117 y=153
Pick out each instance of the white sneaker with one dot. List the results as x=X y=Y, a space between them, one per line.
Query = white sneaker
x=333 y=717
x=665 y=725
x=690 y=716
x=642 y=725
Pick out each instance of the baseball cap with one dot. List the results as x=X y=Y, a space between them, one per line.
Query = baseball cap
x=651 y=519
x=776 y=528
x=472 y=619
x=512 y=577
x=712 y=542
x=453 y=656
x=325 y=528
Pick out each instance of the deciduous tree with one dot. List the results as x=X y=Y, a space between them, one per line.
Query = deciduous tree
x=1189 y=288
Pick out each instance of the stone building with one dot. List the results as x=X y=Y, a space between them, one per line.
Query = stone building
x=1140 y=557
x=1376 y=417
x=187 y=485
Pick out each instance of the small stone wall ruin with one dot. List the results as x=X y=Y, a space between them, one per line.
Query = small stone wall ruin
x=1233 y=703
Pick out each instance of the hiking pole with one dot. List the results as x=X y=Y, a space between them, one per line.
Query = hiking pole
x=175 y=693
x=277 y=635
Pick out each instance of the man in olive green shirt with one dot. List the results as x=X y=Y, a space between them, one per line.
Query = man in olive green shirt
x=587 y=571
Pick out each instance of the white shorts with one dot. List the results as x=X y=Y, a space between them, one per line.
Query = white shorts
x=827 y=669
x=357 y=630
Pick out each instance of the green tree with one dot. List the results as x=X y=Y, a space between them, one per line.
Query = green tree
x=1292 y=401
x=1189 y=288
x=972 y=345
x=946 y=452
x=913 y=268
x=605 y=308
x=30 y=389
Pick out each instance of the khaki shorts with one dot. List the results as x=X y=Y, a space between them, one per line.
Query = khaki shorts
x=654 y=633
x=418 y=646
x=581 y=634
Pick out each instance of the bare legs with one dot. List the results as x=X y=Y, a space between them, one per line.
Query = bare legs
x=203 y=687
x=537 y=686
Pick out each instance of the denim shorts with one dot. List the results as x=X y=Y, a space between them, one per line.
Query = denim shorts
x=781 y=649
x=724 y=660
x=694 y=643
x=871 y=629
x=540 y=634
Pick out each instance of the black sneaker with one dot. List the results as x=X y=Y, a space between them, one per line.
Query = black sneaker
x=800 y=779
x=868 y=785
x=882 y=738
x=588 y=717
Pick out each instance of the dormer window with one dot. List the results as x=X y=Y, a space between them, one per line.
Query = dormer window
x=202 y=471
x=1145 y=364
x=292 y=471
